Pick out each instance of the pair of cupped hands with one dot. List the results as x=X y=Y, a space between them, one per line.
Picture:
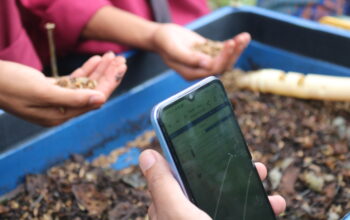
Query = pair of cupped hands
x=27 y=93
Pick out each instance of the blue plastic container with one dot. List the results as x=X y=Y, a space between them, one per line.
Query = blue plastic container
x=280 y=41
x=346 y=217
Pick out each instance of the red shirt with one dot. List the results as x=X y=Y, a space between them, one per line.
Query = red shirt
x=15 y=44
x=70 y=17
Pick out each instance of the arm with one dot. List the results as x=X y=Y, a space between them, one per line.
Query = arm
x=115 y=25
x=173 y=42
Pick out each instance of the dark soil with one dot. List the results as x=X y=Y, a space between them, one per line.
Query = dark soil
x=77 y=190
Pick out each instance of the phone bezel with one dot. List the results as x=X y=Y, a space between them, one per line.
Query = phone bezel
x=168 y=148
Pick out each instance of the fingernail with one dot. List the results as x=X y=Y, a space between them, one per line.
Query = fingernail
x=118 y=78
x=147 y=160
x=95 y=100
x=110 y=54
x=120 y=75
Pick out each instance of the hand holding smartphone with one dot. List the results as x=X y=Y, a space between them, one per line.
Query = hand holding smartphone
x=205 y=148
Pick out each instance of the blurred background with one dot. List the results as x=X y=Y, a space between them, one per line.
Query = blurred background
x=220 y=3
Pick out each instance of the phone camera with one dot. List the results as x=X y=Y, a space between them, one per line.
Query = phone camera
x=191 y=96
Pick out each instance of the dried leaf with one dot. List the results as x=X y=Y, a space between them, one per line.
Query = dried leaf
x=289 y=178
x=36 y=183
x=330 y=191
x=312 y=181
x=135 y=180
x=3 y=209
x=120 y=211
x=275 y=176
x=88 y=196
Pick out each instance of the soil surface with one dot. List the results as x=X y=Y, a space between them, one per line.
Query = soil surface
x=305 y=145
x=80 y=190
x=77 y=190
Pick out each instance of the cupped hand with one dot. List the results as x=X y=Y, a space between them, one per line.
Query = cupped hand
x=175 y=44
x=27 y=93
x=169 y=202
x=107 y=70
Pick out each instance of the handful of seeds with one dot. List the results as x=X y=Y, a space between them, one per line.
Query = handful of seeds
x=76 y=83
x=209 y=47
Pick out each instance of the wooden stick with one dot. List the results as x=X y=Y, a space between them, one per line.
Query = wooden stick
x=50 y=27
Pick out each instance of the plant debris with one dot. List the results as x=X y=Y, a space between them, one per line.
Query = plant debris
x=78 y=190
x=145 y=140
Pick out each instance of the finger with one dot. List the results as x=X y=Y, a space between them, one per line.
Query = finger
x=261 y=170
x=278 y=204
x=88 y=67
x=152 y=212
x=112 y=76
x=107 y=58
x=51 y=116
x=160 y=180
x=231 y=58
x=187 y=72
x=242 y=40
x=56 y=96
x=221 y=61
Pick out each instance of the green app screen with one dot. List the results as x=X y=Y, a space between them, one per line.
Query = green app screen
x=212 y=156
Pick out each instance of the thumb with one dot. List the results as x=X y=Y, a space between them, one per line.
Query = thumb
x=75 y=98
x=163 y=187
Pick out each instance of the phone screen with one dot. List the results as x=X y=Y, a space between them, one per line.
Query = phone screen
x=212 y=157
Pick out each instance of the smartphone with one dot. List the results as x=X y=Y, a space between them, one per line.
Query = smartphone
x=208 y=155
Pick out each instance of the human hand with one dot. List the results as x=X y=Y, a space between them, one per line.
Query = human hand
x=108 y=71
x=169 y=202
x=27 y=93
x=175 y=44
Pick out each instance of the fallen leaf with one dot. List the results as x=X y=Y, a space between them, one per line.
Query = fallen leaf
x=289 y=178
x=88 y=196
x=312 y=181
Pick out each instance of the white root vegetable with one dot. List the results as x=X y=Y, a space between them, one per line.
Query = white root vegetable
x=310 y=86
